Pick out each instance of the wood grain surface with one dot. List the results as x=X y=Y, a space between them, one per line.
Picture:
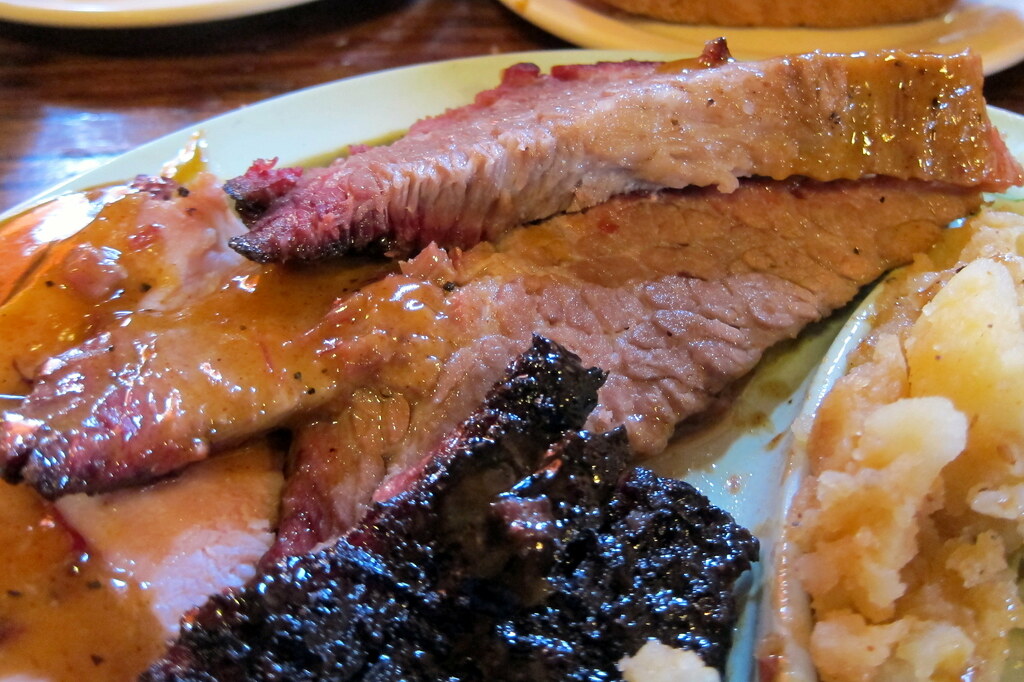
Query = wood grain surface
x=72 y=99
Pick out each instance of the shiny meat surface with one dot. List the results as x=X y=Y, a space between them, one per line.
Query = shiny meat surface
x=502 y=557
x=677 y=294
x=539 y=145
x=153 y=394
x=80 y=263
x=72 y=266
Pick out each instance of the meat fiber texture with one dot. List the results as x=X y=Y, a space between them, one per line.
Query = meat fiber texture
x=204 y=530
x=539 y=145
x=521 y=550
x=677 y=295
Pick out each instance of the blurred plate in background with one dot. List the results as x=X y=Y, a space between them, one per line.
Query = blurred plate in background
x=132 y=13
x=994 y=28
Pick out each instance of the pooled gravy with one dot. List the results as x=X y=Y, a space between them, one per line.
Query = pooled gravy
x=63 y=614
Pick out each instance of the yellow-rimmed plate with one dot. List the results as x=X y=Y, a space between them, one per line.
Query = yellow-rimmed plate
x=993 y=28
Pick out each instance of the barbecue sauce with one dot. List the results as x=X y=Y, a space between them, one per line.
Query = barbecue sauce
x=65 y=613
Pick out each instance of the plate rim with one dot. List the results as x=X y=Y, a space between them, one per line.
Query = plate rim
x=90 y=16
x=155 y=152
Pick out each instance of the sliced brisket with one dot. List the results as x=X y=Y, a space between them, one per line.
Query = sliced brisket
x=505 y=557
x=677 y=294
x=539 y=145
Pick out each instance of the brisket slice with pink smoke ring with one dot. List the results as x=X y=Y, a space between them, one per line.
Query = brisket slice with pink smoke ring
x=540 y=145
x=521 y=550
x=677 y=294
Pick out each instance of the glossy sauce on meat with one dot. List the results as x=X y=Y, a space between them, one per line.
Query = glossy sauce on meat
x=219 y=335
x=96 y=601
x=77 y=602
x=187 y=323
x=50 y=584
x=676 y=294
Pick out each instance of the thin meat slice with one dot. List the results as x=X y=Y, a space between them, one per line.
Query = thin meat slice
x=539 y=145
x=204 y=532
x=161 y=389
x=677 y=294
x=507 y=555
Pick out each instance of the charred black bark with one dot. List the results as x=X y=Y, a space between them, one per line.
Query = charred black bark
x=503 y=558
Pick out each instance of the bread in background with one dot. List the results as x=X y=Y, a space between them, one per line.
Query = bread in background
x=777 y=13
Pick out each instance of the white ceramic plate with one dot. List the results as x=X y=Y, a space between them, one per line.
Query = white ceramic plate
x=132 y=13
x=738 y=462
x=995 y=28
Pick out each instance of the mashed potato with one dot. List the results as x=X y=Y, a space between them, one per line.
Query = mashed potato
x=905 y=531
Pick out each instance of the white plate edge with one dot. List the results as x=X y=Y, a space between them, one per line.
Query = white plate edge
x=89 y=16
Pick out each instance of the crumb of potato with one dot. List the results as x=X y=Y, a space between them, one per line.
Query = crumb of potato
x=657 y=662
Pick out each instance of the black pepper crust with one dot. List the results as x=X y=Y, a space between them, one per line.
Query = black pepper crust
x=505 y=558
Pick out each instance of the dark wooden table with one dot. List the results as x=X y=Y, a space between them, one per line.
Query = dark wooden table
x=71 y=99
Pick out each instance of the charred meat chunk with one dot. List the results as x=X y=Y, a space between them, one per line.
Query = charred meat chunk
x=521 y=549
